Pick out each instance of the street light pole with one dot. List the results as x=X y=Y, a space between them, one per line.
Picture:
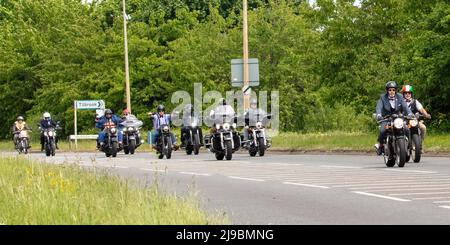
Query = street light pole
x=245 y=59
x=127 y=75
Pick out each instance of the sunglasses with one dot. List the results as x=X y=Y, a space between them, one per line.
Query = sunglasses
x=391 y=89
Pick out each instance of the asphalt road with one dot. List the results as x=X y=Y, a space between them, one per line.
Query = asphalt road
x=292 y=189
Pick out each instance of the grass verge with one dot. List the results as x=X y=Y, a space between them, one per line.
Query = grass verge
x=36 y=193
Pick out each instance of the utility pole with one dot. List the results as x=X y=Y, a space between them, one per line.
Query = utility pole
x=245 y=59
x=127 y=75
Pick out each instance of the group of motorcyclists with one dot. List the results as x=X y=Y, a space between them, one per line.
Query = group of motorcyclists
x=401 y=133
x=398 y=114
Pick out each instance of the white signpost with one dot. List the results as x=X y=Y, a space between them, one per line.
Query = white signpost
x=85 y=105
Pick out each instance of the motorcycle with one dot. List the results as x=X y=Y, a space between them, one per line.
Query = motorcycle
x=395 y=148
x=164 y=142
x=415 y=136
x=192 y=138
x=131 y=139
x=224 y=140
x=258 y=142
x=50 y=140
x=110 y=144
x=22 y=144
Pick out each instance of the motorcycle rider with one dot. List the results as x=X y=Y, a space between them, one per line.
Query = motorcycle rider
x=46 y=123
x=252 y=116
x=221 y=109
x=415 y=106
x=160 y=118
x=18 y=126
x=125 y=114
x=389 y=103
x=108 y=120
x=188 y=116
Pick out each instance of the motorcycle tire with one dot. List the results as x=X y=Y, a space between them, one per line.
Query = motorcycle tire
x=261 y=146
x=401 y=152
x=132 y=146
x=228 y=150
x=417 y=150
x=114 y=148
x=196 y=145
x=220 y=155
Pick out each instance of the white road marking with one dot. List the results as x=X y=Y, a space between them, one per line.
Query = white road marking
x=386 y=182
x=381 y=196
x=153 y=170
x=441 y=201
x=307 y=185
x=448 y=207
x=414 y=189
x=410 y=171
x=119 y=167
x=375 y=188
x=234 y=177
x=337 y=166
x=192 y=173
x=429 y=198
x=419 y=193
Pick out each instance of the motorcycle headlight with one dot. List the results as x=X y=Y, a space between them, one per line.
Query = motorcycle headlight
x=165 y=128
x=226 y=126
x=217 y=126
x=259 y=125
x=130 y=129
x=45 y=133
x=113 y=130
x=413 y=122
x=124 y=129
x=50 y=133
x=234 y=125
x=398 y=123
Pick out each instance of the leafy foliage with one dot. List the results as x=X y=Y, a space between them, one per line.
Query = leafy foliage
x=329 y=61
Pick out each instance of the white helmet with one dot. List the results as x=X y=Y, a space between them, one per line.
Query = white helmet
x=46 y=115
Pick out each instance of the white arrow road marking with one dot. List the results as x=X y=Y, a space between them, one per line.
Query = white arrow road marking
x=381 y=196
x=307 y=185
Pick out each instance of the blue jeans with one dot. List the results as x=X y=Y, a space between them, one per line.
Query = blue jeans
x=101 y=136
x=155 y=134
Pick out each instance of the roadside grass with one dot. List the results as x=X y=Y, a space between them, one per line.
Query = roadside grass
x=33 y=193
x=343 y=141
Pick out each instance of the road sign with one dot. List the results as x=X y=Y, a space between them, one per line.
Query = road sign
x=237 y=72
x=89 y=104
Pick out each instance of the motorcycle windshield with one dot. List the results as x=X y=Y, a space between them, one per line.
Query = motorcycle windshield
x=132 y=121
x=221 y=118
x=257 y=117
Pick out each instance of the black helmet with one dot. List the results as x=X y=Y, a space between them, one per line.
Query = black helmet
x=391 y=84
x=222 y=101
x=160 y=108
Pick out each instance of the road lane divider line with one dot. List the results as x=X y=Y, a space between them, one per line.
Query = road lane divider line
x=119 y=167
x=339 y=166
x=241 y=178
x=153 y=170
x=382 y=187
x=410 y=171
x=447 y=207
x=192 y=173
x=306 y=185
x=412 y=189
x=429 y=198
x=419 y=193
x=381 y=196
x=441 y=201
